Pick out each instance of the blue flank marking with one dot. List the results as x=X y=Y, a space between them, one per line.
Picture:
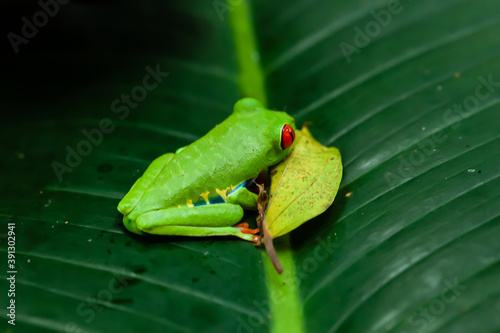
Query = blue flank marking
x=218 y=199
x=215 y=200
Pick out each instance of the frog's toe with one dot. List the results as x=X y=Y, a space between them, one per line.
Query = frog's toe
x=131 y=226
x=257 y=240
x=244 y=228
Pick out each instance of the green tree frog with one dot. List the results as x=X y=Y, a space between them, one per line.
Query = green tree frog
x=201 y=190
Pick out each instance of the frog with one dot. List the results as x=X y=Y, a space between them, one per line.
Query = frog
x=203 y=188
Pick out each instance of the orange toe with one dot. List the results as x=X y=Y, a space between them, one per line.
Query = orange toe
x=250 y=231
x=244 y=228
x=241 y=225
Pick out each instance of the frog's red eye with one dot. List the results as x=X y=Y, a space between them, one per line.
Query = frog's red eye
x=287 y=136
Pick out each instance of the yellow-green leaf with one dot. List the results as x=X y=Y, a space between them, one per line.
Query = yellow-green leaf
x=303 y=185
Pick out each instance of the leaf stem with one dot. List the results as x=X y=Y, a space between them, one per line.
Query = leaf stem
x=271 y=251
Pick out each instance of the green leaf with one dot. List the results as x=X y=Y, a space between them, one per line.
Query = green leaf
x=303 y=185
x=409 y=245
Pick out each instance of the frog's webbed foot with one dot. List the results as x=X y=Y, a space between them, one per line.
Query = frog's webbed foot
x=244 y=228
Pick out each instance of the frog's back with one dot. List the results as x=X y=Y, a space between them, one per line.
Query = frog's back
x=231 y=153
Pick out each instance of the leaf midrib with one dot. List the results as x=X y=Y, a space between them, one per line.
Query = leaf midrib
x=285 y=308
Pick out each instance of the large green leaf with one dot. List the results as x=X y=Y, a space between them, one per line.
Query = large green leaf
x=411 y=241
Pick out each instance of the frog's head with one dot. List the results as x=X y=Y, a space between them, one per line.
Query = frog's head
x=278 y=133
x=282 y=134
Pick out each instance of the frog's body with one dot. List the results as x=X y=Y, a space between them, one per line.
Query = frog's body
x=201 y=189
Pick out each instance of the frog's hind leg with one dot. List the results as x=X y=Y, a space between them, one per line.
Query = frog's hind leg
x=206 y=220
x=133 y=196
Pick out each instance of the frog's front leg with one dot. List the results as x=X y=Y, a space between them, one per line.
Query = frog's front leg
x=206 y=220
x=243 y=197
